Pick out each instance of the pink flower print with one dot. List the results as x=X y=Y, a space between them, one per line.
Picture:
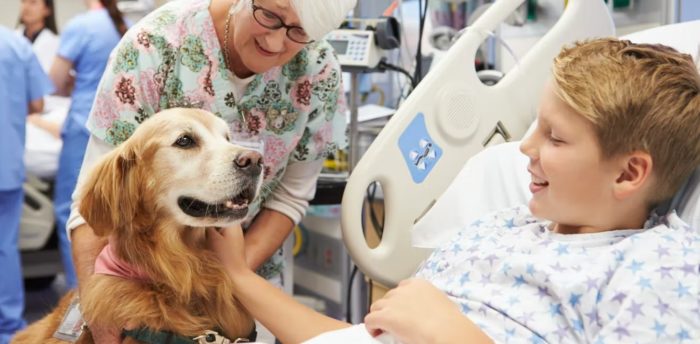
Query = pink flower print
x=275 y=152
x=301 y=94
x=125 y=90
x=236 y=126
x=322 y=136
x=143 y=40
x=205 y=81
x=255 y=119
x=105 y=111
x=272 y=74
x=176 y=33
x=210 y=40
x=148 y=89
x=342 y=102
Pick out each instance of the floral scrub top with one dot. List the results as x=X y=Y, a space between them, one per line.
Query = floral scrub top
x=172 y=58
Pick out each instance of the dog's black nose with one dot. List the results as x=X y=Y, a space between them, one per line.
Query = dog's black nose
x=249 y=161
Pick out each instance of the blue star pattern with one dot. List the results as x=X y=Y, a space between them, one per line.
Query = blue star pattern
x=521 y=282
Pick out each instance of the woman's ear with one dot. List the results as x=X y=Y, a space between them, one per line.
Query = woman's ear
x=108 y=199
x=635 y=174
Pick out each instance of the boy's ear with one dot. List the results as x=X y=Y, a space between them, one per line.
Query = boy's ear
x=635 y=174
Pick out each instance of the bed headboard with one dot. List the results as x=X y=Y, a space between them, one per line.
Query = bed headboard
x=444 y=122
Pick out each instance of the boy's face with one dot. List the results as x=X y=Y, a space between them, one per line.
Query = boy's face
x=571 y=182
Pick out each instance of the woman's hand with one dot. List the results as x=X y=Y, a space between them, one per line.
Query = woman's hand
x=106 y=335
x=229 y=246
x=418 y=312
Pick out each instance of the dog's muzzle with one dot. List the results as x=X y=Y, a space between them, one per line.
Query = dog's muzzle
x=234 y=207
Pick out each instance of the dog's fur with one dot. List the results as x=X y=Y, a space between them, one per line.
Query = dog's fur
x=134 y=196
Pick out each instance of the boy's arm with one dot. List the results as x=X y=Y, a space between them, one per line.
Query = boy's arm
x=60 y=75
x=287 y=319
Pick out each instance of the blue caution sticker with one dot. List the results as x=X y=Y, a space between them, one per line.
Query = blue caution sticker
x=419 y=150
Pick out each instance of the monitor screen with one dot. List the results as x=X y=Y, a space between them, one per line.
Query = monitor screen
x=341 y=47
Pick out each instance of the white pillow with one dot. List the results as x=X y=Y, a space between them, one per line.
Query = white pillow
x=493 y=179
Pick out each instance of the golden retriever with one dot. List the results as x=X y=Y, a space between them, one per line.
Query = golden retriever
x=152 y=197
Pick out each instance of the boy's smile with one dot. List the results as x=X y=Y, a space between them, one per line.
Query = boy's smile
x=537 y=183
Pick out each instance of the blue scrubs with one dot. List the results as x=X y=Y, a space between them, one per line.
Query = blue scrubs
x=87 y=42
x=22 y=80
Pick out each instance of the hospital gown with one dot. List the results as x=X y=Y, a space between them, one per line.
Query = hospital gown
x=521 y=282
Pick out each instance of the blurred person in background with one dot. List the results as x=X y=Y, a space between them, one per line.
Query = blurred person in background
x=23 y=85
x=37 y=22
x=86 y=43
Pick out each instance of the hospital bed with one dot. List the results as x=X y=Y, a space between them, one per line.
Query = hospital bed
x=449 y=118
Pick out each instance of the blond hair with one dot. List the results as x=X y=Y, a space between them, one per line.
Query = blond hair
x=638 y=97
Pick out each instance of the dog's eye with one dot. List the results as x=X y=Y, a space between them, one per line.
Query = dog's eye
x=185 y=141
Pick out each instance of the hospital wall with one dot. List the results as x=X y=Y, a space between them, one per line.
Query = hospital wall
x=65 y=9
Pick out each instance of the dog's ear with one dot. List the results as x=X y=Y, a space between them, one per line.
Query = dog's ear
x=111 y=196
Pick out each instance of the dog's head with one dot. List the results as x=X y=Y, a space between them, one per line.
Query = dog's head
x=179 y=163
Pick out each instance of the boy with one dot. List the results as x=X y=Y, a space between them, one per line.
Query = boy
x=618 y=132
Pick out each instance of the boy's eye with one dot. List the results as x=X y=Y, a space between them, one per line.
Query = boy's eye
x=554 y=139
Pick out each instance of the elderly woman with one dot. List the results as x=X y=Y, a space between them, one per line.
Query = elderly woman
x=264 y=67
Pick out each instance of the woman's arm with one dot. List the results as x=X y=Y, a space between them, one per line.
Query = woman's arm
x=287 y=319
x=36 y=106
x=51 y=127
x=60 y=74
x=285 y=207
x=265 y=235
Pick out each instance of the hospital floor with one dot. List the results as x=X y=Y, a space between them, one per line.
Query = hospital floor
x=39 y=302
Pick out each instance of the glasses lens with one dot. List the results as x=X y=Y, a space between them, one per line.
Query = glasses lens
x=298 y=35
x=267 y=18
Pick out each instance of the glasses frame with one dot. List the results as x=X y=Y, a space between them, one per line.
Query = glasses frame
x=281 y=24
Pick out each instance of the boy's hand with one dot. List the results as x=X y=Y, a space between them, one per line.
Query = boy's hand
x=229 y=246
x=418 y=312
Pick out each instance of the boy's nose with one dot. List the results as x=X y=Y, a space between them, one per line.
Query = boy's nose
x=527 y=147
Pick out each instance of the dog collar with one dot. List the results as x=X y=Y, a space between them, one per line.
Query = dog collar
x=146 y=335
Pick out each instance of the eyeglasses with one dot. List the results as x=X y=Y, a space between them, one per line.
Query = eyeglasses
x=272 y=21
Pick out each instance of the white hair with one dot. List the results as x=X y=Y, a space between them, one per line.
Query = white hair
x=319 y=17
